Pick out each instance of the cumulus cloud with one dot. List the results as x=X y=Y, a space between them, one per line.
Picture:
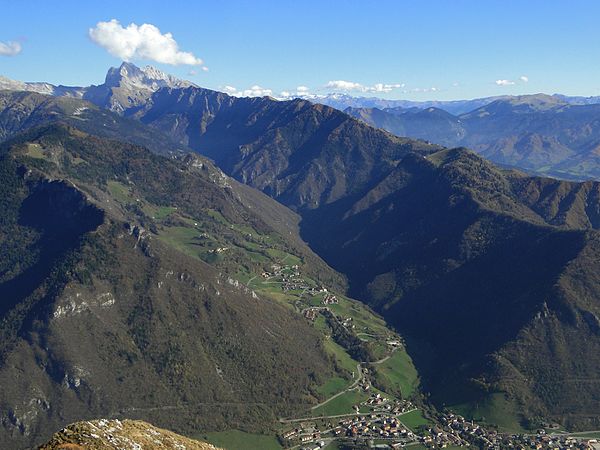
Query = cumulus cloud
x=10 y=48
x=140 y=42
x=229 y=90
x=342 y=85
x=301 y=91
x=348 y=86
x=254 y=91
x=524 y=78
x=504 y=82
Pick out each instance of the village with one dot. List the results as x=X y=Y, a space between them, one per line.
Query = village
x=380 y=430
x=381 y=422
x=455 y=430
x=289 y=279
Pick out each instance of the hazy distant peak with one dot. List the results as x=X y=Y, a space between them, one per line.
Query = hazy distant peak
x=537 y=100
x=520 y=104
x=14 y=85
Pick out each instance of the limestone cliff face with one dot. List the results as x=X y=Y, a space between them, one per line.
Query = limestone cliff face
x=123 y=435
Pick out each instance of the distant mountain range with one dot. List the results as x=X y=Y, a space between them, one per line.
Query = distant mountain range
x=554 y=135
x=456 y=107
x=539 y=133
x=128 y=80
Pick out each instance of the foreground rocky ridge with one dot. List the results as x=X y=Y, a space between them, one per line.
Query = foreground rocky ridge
x=120 y=435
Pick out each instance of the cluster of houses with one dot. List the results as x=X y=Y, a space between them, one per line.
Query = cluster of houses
x=455 y=430
x=377 y=403
x=450 y=430
x=302 y=434
x=286 y=272
x=289 y=276
x=311 y=314
x=384 y=424
x=375 y=426
x=330 y=299
x=362 y=427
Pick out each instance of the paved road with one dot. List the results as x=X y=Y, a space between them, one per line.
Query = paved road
x=356 y=382
x=349 y=388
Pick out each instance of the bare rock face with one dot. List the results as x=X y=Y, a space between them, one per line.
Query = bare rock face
x=122 y=435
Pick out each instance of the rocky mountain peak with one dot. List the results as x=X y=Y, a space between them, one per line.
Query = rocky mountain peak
x=151 y=78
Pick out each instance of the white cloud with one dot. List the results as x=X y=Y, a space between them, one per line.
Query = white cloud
x=140 y=42
x=431 y=89
x=301 y=91
x=524 y=78
x=10 y=48
x=229 y=90
x=344 y=85
x=381 y=87
x=254 y=91
x=504 y=82
x=347 y=86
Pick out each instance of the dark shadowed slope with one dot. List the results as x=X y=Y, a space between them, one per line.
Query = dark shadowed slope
x=492 y=271
x=301 y=154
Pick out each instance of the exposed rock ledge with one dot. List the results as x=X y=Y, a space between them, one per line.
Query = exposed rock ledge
x=122 y=435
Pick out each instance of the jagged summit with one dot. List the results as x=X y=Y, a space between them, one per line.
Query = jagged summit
x=146 y=78
x=129 y=86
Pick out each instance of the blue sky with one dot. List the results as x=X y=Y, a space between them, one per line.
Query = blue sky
x=462 y=49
